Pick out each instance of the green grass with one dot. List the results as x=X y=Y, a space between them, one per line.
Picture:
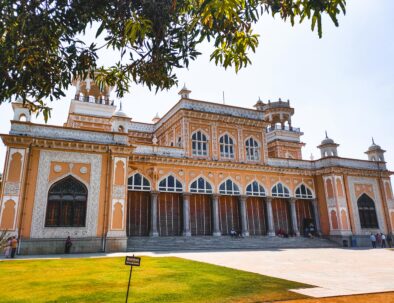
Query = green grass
x=157 y=280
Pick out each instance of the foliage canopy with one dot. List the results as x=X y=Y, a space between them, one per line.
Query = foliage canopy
x=40 y=52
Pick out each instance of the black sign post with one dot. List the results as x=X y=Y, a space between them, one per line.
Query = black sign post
x=131 y=261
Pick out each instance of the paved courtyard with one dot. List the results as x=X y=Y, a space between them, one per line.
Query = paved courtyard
x=334 y=271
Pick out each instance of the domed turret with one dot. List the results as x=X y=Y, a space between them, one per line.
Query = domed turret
x=184 y=92
x=328 y=147
x=375 y=152
x=120 y=120
x=156 y=118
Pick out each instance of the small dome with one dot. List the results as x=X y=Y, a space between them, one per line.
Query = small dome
x=120 y=113
x=327 y=140
x=374 y=146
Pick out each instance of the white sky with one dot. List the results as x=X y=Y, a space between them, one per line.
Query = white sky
x=342 y=83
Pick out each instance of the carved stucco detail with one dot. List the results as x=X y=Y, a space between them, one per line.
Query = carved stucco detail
x=38 y=229
x=11 y=188
x=118 y=192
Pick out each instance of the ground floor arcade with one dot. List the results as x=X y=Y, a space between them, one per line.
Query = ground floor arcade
x=153 y=213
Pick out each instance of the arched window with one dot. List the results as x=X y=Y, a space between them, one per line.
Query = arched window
x=67 y=201
x=226 y=147
x=255 y=189
x=199 y=144
x=170 y=184
x=252 y=150
x=201 y=186
x=120 y=129
x=279 y=190
x=367 y=212
x=138 y=182
x=303 y=192
x=229 y=188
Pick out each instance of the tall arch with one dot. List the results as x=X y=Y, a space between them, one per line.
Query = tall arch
x=15 y=167
x=367 y=212
x=138 y=182
x=227 y=148
x=67 y=203
x=252 y=148
x=280 y=190
x=228 y=187
x=201 y=185
x=303 y=192
x=170 y=184
x=329 y=188
x=199 y=144
x=255 y=189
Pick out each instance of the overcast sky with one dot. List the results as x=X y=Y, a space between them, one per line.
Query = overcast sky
x=342 y=83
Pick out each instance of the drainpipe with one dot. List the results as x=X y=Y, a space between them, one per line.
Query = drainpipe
x=24 y=197
x=106 y=202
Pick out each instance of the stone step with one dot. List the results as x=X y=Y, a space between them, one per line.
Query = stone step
x=223 y=243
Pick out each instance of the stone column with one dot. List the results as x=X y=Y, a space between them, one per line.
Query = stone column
x=243 y=215
x=294 y=216
x=270 y=217
x=316 y=214
x=215 y=215
x=153 y=214
x=186 y=215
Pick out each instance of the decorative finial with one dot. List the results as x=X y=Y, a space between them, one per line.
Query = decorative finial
x=373 y=141
x=312 y=158
x=184 y=85
x=280 y=99
x=326 y=135
x=259 y=99
x=120 y=106
x=288 y=101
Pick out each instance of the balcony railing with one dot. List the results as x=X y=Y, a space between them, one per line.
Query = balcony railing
x=286 y=128
x=90 y=99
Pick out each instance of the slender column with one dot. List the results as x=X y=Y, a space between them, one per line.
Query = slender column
x=270 y=217
x=244 y=219
x=186 y=215
x=153 y=214
x=294 y=216
x=215 y=215
x=316 y=214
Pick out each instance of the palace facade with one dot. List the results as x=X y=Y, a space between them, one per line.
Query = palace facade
x=202 y=169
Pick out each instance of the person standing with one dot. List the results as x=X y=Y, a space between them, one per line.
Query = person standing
x=383 y=237
x=389 y=240
x=7 y=251
x=378 y=239
x=68 y=245
x=14 y=246
x=373 y=240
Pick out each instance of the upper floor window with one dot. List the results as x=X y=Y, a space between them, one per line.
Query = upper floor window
x=138 y=182
x=303 y=192
x=255 y=189
x=229 y=188
x=67 y=202
x=252 y=150
x=201 y=186
x=199 y=144
x=279 y=190
x=170 y=184
x=226 y=147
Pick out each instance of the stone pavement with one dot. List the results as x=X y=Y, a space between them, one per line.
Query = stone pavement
x=334 y=271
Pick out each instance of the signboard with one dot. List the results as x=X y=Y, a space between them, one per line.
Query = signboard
x=133 y=261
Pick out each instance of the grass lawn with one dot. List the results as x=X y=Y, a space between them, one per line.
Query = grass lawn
x=157 y=280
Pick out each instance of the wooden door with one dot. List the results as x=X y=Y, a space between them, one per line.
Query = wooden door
x=138 y=211
x=229 y=214
x=256 y=216
x=169 y=210
x=281 y=213
x=304 y=211
x=200 y=215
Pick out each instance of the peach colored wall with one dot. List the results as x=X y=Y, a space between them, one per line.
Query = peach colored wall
x=15 y=168
x=8 y=215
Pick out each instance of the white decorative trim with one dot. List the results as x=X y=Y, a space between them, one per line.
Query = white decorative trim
x=16 y=200
x=378 y=205
x=38 y=229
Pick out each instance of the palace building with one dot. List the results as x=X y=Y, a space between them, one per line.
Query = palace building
x=203 y=169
